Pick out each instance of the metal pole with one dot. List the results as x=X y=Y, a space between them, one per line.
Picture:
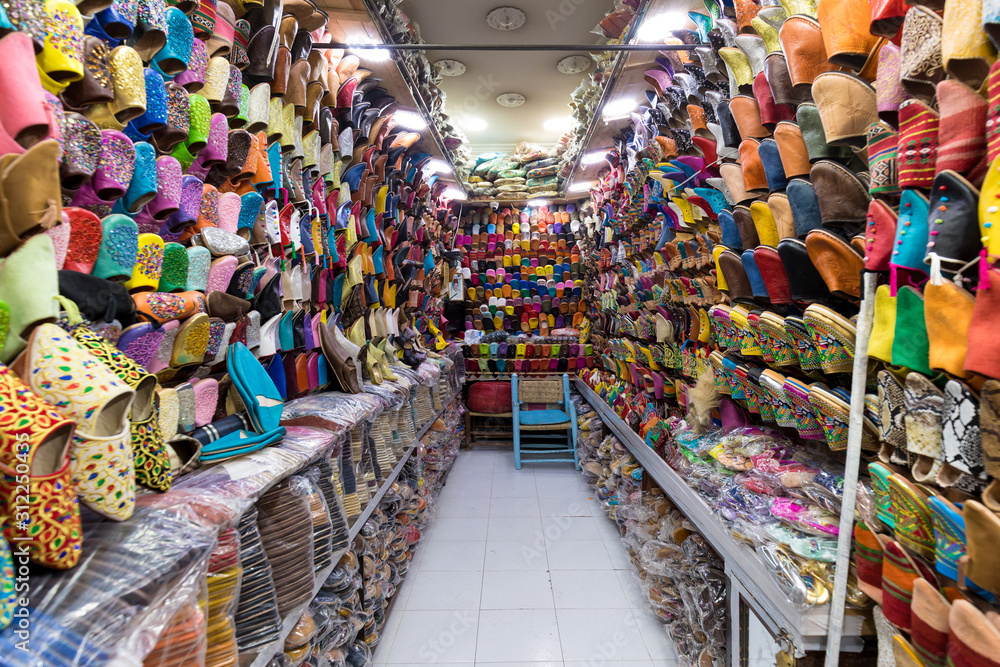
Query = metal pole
x=835 y=627
x=510 y=47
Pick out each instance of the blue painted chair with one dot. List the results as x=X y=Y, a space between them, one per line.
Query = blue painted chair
x=551 y=431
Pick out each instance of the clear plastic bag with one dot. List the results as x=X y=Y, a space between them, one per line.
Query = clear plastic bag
x=258 y=623
x=132 y=581
x=285 y=523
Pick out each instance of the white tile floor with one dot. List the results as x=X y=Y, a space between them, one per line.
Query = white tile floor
x=520 y=569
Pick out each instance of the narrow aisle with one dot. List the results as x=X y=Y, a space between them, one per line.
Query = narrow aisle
x=521 y=568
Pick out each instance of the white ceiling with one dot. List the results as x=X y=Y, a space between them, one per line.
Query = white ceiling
x=490 y=73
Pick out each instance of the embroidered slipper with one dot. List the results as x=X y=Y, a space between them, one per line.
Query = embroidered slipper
x=833 y=336
x=191 y=342
x=104 y=473
x=43 y=436
x=805 y=349
x=912 y=527
x=90 y=394
x=772 y=329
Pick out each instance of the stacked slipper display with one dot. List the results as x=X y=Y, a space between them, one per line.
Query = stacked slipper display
x=790 y=150
x=523 y=283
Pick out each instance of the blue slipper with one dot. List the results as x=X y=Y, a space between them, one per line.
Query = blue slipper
x=261 y=397
x=239 y=443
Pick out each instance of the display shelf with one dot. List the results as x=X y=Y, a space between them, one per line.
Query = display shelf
x=289 y=623
x=352 y=22
x=377 y=498
x=806 y=630
x=384 y=487
x=434 y=418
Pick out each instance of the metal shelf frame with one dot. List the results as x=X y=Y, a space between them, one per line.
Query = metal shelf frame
x=750 y=581
x=289 y=623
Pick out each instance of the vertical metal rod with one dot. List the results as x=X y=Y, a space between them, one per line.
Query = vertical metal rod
x=835 y=628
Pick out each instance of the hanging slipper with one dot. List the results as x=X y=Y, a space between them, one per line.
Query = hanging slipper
x=912 y=527
x=923 y=413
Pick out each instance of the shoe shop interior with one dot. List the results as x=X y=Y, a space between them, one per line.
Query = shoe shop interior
x=563 y=333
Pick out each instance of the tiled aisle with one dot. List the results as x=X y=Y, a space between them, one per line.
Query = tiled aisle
x=521 y=568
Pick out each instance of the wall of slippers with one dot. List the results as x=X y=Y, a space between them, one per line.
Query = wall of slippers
x=523 y=280
x=205 y=222
x=790 y=150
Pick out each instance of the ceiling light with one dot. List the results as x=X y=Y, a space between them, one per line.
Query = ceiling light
x=453 y=194
x=436 y=166
x=538 y=203
x=372 y=55
x=473 y=124
x=618 y=108
x=657 y=28
x=505 y=18
x=409 y=120
x=581 y=187
x=594 y=157
x=559 y=124
x=573 y=64
x=450 y=67
x=510 y=99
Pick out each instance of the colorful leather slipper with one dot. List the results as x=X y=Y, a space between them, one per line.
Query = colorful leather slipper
x=191 y=343
x=52 y=500
x=260 y=395
x=89 y=392
x=240 y=443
